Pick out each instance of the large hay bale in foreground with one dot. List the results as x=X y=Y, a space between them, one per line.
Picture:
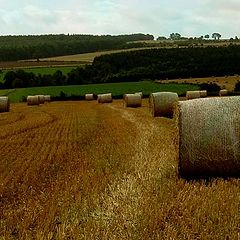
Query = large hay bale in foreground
x=161 y=104
x=104 y=98
x=193 y=94
x=89 y=96
x=223 y=92
x=209 y=137
x=132 y=100
x=203 y=93
x=47 y=98
x=33 y=100
x=4 y=104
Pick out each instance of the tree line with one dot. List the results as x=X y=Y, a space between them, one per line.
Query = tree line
x=14 y=48
x=139 y=65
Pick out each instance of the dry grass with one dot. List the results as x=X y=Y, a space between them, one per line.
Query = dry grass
x=132 y=100
x=35 y=64
x=89 y=57
x=89 y=96
x=209 y=136
x=227 y=82
x=104 y=98
x=223 y=92
x=161 y=104
x=4 y=104
x=81 y=170
x=33 y=100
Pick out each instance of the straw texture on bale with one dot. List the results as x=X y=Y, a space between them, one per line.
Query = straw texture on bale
x=223 y=92
x=132 y=100
x=47 y=98
x=161 y=104
x=209 y=137
x=104 y=98
x=4 y=104
x=193 y=94
x=140 y=93
x=33 y=100
x=203 y=93
x=89 y=96
x=41 y=99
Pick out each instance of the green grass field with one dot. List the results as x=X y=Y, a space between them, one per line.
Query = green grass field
x=116 y=89
x=41 y=70
x=49 y=70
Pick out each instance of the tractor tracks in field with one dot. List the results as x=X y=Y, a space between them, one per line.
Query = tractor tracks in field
x=53 y=118
x=20 y=117
x=150 y=165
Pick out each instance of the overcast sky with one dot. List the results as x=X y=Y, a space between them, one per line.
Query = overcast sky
x=157 y=17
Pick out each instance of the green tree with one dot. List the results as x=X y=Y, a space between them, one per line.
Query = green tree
x=175 y=36
x=216 y=36
x=161 y=38
x=59 y=78
x=8 y=79
x=237 y=87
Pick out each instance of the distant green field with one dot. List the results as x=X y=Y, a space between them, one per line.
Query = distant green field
x=117 y=89
x=6 y=92
x=41 y=70
x=49 y=70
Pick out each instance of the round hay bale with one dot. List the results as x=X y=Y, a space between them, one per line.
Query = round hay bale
x=4 y=104
x=203 y=93
x=41 y=99
x=161 y=104
x=47 y=98
x=104 y=98
x=209 y=137
x=223 y=92
x=89 y=96
x=33 y=100
x=192 y=94
x=140 y=93
x=132 y=100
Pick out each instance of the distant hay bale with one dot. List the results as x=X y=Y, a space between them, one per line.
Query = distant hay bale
x=4 y=104
x=161 y=104
x=223 y=92
x=203 y=93
x=47 y=98
x=89 y=96
x=104 y=98
x=192 y=94
x=41 y=99
x=33 y=100
x=132 y=100
x=140 y=93
x=209 y=137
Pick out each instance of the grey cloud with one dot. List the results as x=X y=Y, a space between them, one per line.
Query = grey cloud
x=159 y=17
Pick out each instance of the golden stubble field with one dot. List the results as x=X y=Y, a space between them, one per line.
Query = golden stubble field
x=226 y=82
x=81 y=170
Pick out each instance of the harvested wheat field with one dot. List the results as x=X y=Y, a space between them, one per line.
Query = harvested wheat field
x=227 y=82
x=82 y=170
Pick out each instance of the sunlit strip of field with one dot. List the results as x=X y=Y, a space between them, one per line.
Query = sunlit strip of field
x=89 y=57
x=37 y=64
x=227 y=82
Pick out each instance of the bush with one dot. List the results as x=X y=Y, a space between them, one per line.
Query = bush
x=237 y=87
x=210 y=87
